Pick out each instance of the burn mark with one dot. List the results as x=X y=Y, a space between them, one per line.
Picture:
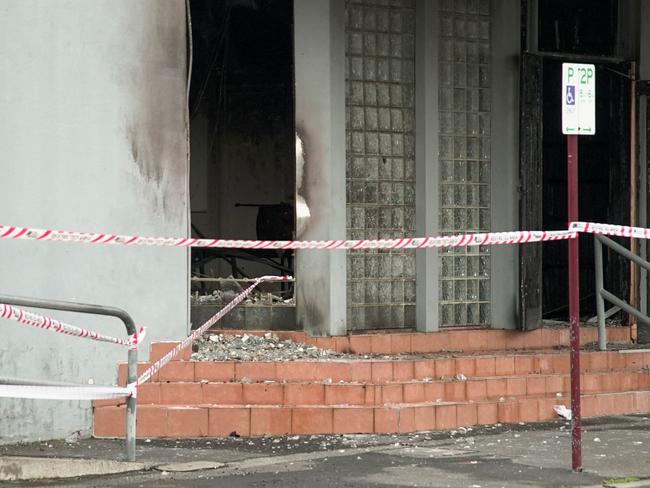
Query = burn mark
x=156 y=129
x=148 y=161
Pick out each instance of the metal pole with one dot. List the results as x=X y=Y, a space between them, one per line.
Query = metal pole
x=574 y=302
x=634 y=245
x=608 y=296
x=132 y=376
x=600 y=302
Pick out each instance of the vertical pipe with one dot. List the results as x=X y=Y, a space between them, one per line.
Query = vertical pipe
x=132 y=376
x=600 y=302
x=642 y=203
x=634 y=246
x=574 y=301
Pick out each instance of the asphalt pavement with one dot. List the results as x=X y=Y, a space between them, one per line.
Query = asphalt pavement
x=616 y=452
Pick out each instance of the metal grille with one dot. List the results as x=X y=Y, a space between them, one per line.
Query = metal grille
x=465 y=118
x=380 y=159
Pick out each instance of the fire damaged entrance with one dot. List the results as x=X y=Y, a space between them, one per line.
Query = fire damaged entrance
x=242 y=139
x=571 y=31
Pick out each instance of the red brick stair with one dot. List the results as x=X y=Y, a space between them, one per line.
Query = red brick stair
x=195 y=399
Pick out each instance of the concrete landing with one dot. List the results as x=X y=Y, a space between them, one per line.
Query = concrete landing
x=20 y=468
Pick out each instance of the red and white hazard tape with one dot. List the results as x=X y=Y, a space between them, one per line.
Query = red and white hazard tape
x=155 y=367
x=83 y=392
x=611 y=230
x=461 y=240
x=35 y=320
x=483 y=239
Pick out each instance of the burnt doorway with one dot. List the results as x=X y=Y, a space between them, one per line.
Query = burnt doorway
x=242 y=139
x=572 y=31
x=604 y=187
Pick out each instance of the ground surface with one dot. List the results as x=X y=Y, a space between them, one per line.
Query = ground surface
x=519 y=455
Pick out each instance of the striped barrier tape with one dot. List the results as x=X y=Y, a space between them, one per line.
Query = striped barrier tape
x=83 y=392
x=155 y=367
x=42 y=322
x=460 y=240
x=481 y=239
x=611 y=230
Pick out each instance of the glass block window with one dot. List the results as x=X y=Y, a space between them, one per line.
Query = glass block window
x=464 y=155
x=380 y=159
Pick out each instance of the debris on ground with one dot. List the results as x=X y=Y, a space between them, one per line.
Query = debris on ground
x=270 y=347
x=223 y=297
x=226 y=291
x=249 y=347
x=562 y=411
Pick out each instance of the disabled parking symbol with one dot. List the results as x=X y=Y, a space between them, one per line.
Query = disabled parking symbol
x=570 y=95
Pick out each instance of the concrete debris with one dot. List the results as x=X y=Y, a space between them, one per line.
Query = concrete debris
x=249 y=347
x=189 y=466
x=562 y=411
x=227 y=291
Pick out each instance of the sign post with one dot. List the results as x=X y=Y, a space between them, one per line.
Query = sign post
x=578 y=117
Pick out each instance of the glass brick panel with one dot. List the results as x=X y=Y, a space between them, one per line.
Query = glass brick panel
x=465 y=154
x=380 y=172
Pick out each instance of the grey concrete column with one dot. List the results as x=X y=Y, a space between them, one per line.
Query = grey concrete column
x=644 y=41
x=426 y=162
x=320 y=122
x=643 y=72
x=505 y=158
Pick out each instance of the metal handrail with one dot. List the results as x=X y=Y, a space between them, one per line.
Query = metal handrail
x=132 y=370
x=602 y=294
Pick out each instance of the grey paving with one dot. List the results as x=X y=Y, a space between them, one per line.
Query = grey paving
x=616 y=450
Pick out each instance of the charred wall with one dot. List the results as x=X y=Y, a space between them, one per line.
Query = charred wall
x=93 y=138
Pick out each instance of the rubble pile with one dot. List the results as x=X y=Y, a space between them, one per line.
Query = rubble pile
x=228 y=290
x=249 y=347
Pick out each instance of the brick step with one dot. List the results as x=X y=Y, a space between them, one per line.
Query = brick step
x=219 y=420
x=458 y=339
x=384 y=371
x=320 y=393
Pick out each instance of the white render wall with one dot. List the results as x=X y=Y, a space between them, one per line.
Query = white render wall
x=319 y=40
x=93 y=137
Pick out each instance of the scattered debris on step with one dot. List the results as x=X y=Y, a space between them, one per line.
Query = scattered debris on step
x=228 y=288
x=562 y=411
x=249 y=347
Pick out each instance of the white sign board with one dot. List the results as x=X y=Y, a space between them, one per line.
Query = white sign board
x=578 y=99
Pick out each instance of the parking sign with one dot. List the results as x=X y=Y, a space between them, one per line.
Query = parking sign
x=578 y=99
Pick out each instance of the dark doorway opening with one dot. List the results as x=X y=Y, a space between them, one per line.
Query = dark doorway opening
x=583 y=28
x=604 y=186
x=242 y=138
x=578 y=31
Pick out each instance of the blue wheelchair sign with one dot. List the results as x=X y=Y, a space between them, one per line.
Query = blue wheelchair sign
x=570 y=95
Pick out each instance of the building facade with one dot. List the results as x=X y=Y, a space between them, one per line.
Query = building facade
x=417 y=117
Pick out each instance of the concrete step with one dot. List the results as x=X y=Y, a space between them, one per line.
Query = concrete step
x=456 y=339
x=187 y=421
x=518 y=381
x=379 y=371
x=415 y=391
